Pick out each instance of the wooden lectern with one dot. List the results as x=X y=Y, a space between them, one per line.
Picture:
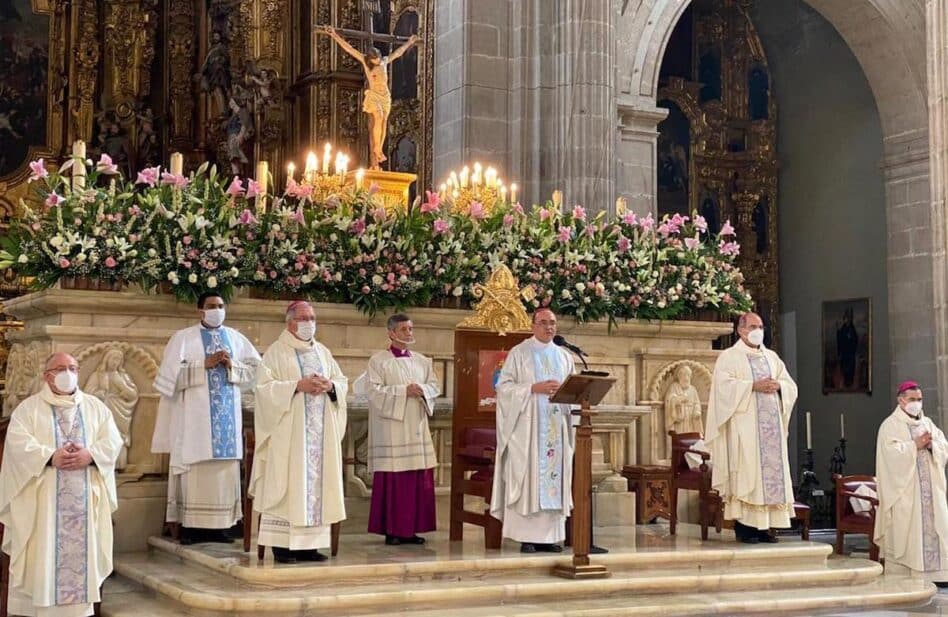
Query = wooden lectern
x=583 y=390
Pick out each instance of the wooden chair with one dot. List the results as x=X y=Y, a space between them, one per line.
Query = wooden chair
x=850 y=521
x=249 y=445
x=474 y=455
x=683 y=477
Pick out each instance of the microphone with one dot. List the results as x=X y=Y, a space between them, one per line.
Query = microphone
x=559 y=341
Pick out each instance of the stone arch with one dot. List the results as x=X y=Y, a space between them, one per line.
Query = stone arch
x=701 y=373
x=882 y=34
x=657 y=387
x=132 y=352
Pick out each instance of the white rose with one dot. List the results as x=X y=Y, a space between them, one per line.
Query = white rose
x=212 y=282
x=306 y=279
x=458 y=291
x=333 y=237
x=56 y=241
x=338 y=276
x=81 y=257
x=284 y=261
x=132 y=253
x=23 y=258
x=152 y=253
x=275 y=227
x=234 y=271
x=587 y=300
x=377 y=280
x=192 y=278
x=580 y=287
x=109 y=242
x=403 y=279
x=566 y=295
x=260 y=276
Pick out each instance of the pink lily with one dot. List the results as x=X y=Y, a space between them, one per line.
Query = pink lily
x=579 y=212
x=236 y=188
x=148 y=176
x=432 y=202
x=477 y=210
x=38 y=170
x=623 y=244
x=106 y=166
x=701 y=224
x=53 y=200
x=177 y=181
x=727 y=229
x=247 y=218
x=565 y=234
x=692 y=243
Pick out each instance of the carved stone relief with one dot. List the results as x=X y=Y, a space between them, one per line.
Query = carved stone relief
x=672 y=390
x=24 y=373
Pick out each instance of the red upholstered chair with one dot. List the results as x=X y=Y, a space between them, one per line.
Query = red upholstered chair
x=472 y=473
x=688 y=479
x=850 y=521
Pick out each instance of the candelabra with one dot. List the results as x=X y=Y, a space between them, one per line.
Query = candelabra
x=808 y=482
x=323 y=181
x=838 y=460
x=482 y=186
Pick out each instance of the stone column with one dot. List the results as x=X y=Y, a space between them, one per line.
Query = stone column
x=937 y=27
x=636 y=158
x=528 y=86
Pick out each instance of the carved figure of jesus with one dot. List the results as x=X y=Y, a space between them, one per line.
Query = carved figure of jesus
x=377 y=99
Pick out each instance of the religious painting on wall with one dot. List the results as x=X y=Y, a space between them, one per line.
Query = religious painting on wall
x=847 y=346
x=674 y=144
x=24 y=65
x=489 y=364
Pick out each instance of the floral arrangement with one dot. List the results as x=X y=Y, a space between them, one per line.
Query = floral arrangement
x=186 y=234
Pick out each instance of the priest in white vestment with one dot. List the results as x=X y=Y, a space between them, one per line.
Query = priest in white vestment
x=533 y=473
x=200 y=422
x=402 y=389
x=752 y=396
x=912 y=517
x=57 y=496
x=300 y=419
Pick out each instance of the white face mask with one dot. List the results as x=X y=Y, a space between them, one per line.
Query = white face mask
x=410 y=341
x=914 y=407
x=214 y=317
x=756 y=337
x=66 y=381
x=305 y=330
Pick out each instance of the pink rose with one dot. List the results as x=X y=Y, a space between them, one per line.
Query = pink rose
x=477 y=210
x=440 y=226
x=365 y=289
x=63 y=262
x=110 y=262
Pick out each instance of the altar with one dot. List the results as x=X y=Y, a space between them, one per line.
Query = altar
x=125 y=332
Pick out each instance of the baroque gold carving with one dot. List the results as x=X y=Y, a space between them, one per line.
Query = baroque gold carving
x=181 y=54
x=500 y=309
x=85 y=69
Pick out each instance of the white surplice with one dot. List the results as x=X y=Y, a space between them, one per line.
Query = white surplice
x=58 y=524
x=297 y=469
x=912 y=518
x=399 y=436
x=200 y=424
x=533 y=472
x=746 y=435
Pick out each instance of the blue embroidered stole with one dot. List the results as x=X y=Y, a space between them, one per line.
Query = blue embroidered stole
x=547 y=364
x=313 y=427
x=72 y=518
x=221 y=396
x=931 y=550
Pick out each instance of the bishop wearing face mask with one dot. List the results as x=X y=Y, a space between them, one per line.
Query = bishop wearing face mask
x=912 y=517
x=402 y=387
x=57 y=496
x=749 y=408
x=300 y=419
x=200 y=424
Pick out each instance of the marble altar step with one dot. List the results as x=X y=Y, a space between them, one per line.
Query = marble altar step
x=123 y=599
x=525 y=582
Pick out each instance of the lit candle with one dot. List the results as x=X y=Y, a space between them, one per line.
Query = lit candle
x=443 y=190
x=465 y=172
x=503 y=194
x=309 y=172
x=290 y=170
x=345 y=164
x=557 y=198
x=454 y=180
x=79 y=167
x=177 y=163
x=360 y=177
x=326 y=154
x=338 y=163
x=622 y=206
x=842 y=427
x=513 y=192
x=263 y=171
x=809 y=434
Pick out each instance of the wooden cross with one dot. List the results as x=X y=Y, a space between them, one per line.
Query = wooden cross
x=369 y=8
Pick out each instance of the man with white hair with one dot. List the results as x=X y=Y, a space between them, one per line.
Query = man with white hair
x=752 y=396
x=57 y=495
x=912 y=518
x=300 y=419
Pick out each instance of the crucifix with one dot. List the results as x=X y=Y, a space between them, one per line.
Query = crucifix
x=377 y=98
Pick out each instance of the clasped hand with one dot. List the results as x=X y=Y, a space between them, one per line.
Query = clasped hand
x=548 y=387
x=313 y=384
x=71 y=457
x=218 y=357
x=767 y=386
x=414 y=390
x=923 y=441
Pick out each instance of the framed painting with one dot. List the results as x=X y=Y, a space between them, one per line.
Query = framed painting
x=847 y=346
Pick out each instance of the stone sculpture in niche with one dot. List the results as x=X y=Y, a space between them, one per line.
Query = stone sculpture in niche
x=115 y=387
x=682 y=404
